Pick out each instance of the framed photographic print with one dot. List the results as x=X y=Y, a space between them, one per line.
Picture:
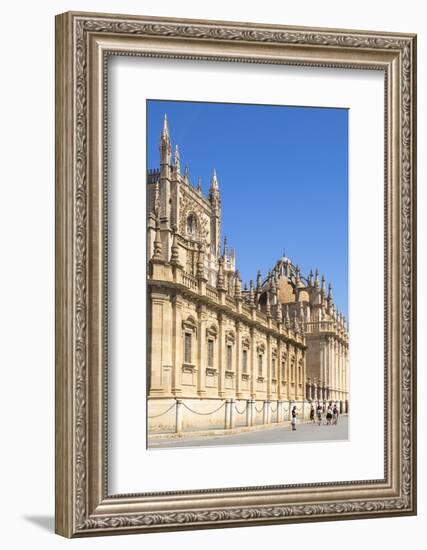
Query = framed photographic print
x=235 y=274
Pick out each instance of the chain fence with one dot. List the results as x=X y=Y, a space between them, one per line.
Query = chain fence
x=240 y=412
x=163 y=413
x=204 y=413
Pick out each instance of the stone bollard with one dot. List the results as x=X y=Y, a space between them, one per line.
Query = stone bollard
x=178 y=418
x=227 y=414
x=250 y=413
x=232 y=414
x=279 y=411
x=266 y=416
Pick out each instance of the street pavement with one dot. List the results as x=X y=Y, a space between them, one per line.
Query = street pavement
x=284 y=434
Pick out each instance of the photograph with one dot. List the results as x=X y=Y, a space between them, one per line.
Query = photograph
x=247 y=274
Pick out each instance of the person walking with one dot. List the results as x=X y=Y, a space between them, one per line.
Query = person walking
x=312 y=413
x=319 y=413
x=294 y=418
x=329 y=416
x=335 y=414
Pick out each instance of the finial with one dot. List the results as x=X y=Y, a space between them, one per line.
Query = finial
x=165 y=130
x=278 y=313
x=310 y=278
x=258 y=280
x=316 y=279
x=225 y=251
x=174 y=248
x=214 y=182
x=186 y=175
x=157 y=255
x=237 y=286
x=176 y=163
x=287 y=318
x=199 y=185
x=251 y=293
x=157 y=198
x=267 y=304
x=220 y=278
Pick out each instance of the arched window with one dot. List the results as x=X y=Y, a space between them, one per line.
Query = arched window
x=191 y=226
x=300 y=380
x=245 y=353
x=189 y=334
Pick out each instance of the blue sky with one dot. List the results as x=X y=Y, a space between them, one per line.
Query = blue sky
x=283 y=177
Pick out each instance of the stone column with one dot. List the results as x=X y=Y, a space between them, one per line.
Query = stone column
x=201 y=350
x=232 y=413
x=266 y=417
x=221 y=354
x=157 y=341
x=296 y=359
x=178 y=416
x=177 y=348
x=279 y=411
x=250 y=413
x=269 y=374
x=336 y=370
x=288 y=371
x=238 y=369
x=252 y=366
x=279 y=369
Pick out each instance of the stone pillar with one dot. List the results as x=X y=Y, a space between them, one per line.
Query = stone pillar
x=266 y=417
x=227 y=420
x=232 y=414
x=252 y=366
x=157 y=341
x=177 y=348
x=201 y=351
x=221 y=358
x=250 y=412
x=178 y=416
x=279 y=411
x=238 y=348
x=269 y=374
x=279 y=369
x=296 y=359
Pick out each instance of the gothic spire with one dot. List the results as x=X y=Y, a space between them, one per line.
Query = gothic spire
x=224 y=250
x=258 y=281
x=165 y=144
x=214 y=182
x=316 y=279
x=251 y=293
x=176 y=163
x=199 y=185
x=165 y=131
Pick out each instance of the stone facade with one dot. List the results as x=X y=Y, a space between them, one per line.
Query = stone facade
x=219 y=356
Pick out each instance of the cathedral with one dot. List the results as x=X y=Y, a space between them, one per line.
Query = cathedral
x=221 y=356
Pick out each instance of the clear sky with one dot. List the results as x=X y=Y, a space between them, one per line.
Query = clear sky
x=283 y=178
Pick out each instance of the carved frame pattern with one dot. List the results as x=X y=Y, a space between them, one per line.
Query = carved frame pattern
x=83 y=506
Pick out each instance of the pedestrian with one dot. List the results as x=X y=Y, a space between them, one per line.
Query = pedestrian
x=294 y=418
x=319 y=414
x=335 y=414
x=329 y=416
x=312 y=413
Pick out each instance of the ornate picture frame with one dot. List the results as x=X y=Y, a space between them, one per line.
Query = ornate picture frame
x=84 y=42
